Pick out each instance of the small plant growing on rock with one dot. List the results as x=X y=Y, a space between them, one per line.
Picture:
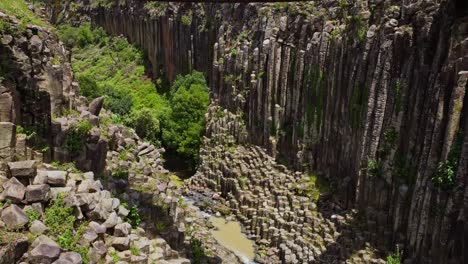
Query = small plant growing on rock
x=374 y=168
x=134 y=250
x=61 y=222
x=444 y=177
x=33 y=215
x=186 y=19
x=76 y=136
x=120 y=174
x=197 y=251
x=134 y=217
x=394 y=258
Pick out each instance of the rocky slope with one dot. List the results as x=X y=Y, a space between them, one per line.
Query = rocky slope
x=370 y=94
x=106 y=211
x=277 y=207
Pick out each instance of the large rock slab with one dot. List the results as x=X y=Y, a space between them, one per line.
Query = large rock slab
x=6 y=103
x=57 y=178
x=45 y=250
x=14 y=217
x=12 y=251
x=7 y=140
x=70 y=257
x=96 y=105
x=26 y=168
x=37 y=193
x=13 y=190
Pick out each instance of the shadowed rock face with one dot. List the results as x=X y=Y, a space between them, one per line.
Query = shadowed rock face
x=35 y=78
x=371 y=95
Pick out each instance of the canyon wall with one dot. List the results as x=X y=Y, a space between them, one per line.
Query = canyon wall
x=36 y=83
x=370 y=94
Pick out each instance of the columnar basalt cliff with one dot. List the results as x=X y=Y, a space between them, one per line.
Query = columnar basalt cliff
x=36 y=78
x=370 y=94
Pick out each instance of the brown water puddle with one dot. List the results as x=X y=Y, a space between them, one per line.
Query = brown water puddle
x=228 y=234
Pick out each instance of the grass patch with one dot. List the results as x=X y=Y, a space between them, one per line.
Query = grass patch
x=61 y=222
x=19 y=9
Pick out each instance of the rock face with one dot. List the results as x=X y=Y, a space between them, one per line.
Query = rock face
x=37 y=80
x=369 y=94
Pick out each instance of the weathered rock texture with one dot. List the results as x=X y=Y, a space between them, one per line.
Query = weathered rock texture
x=370 y=94
x=276 y=206
x=36 y=83
x=36 y=79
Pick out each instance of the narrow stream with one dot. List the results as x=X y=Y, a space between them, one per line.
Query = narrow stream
x=228 y=234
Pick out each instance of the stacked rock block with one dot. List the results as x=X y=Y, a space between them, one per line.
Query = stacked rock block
x=30 y=185
x=266 y=198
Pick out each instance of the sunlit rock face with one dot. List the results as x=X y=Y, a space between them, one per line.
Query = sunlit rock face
x=369 y=94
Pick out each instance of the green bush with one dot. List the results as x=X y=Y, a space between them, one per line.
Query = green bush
x=445 y=176
x=133 y=217
x=61 y=222
x=118 y=102
x=120 y=174
x=89 y=87
x=33 y=215
x=76 y=136
x=394 y=258
x=197 y=251
x=374 y=168
x=184 y=129
x=146 y=124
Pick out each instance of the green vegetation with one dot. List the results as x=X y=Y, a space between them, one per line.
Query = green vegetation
x=394 y=258
x=33 y=215
x=156 y=9
x=20 y=10
x=134 y=250
x=114 y=68
x=444 y=178
x=120 y=174
x=184 y=128
x=374 y=168
x=186 y=19
x=133 y=217
x=76 y=136
x=61 y=222
x=115 y=257
x=198 y=252
x=4 y=26
x=69 y=166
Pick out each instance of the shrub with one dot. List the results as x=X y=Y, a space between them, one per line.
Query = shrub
x=134 y=250
x=117 y=101
x=444 y=177
x=186 y=20
x=184 y=129
x=61 y=222
x=120 y=174
x=394 y=258
x=76 y=136
x=145 y=122
x=197 y=250
x=89 y=87
x=133 y=217
x=374 y=168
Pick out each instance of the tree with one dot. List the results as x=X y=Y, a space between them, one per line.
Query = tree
x=185 y=126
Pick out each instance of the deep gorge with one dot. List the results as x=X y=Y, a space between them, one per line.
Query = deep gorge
x=333 y=99
x=369 y=95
